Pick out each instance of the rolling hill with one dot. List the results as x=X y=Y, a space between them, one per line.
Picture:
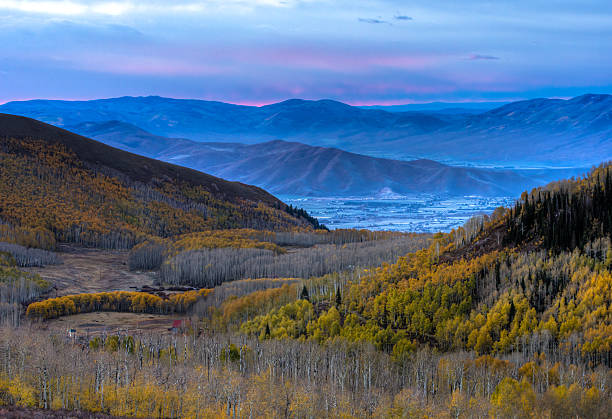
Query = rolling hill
x=540 y=131
x=216 y=121
x=292 y=168
x=54 y=182
x=531 y=133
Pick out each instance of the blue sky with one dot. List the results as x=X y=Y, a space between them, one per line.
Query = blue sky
x=262 y=51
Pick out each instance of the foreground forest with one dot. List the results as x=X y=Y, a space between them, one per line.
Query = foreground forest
x=509 y=316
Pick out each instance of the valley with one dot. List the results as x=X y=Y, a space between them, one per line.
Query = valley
x=352 y=189
x=420 y=214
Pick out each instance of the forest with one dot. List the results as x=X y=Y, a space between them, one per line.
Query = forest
x=508 y=316
x=49 y=194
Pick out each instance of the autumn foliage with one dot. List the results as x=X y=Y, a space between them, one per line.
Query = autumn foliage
x=49 y=195
x=120 y=301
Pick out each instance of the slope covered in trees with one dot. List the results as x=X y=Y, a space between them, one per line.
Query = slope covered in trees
x=82 y=191
x=527 y=290
x=565 y=214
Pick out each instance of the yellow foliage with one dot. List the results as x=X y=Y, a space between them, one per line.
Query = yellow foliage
x=123 y=301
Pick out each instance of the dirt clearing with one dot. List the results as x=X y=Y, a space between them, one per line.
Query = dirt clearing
x=92 y=270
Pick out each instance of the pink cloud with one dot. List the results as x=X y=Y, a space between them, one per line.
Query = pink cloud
x=148 y=65
x=203 y=60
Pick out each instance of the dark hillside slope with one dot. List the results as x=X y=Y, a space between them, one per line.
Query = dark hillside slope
x=56 y=183
x=565 y=215
x=136 y=167
x=561 y=216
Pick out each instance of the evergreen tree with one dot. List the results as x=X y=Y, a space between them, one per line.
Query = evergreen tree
x=338 y=297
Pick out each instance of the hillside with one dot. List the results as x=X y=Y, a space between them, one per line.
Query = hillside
x=76 y=189
x=546 y=131
x=531 y=133
x=304 y=170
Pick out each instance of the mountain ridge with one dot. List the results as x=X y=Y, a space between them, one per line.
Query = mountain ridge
x=535 y=132
x=292 y=168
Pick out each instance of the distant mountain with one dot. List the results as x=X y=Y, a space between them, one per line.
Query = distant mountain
x=441 y=107
x=292 y=168
x=550 y=131
x=54 y=182
x=538 y=132
x=217 y=121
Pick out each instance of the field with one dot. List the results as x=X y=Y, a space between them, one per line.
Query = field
x=92 y=270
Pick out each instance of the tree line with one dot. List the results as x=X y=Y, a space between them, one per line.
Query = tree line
x=119 y=301
x=24 y=256
x=212 y=267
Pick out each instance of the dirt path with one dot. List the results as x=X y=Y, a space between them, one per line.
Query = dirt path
x=92 y=270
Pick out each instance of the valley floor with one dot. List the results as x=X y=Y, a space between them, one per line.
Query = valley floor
x=421 y=214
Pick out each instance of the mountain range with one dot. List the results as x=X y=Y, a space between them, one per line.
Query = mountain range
x=217 y=121
x=292 y=168
x=532 y=133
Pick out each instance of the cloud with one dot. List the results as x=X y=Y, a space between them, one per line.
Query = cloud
x=475 y=57
x=119 y=8
x=402 y=17
x=373 y=21
x=65 y=8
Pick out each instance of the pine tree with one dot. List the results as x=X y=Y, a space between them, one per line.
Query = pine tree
x=338 y=297
x=512 y=312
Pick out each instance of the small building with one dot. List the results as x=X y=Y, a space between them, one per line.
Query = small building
x=72 y=333
x=179 y=325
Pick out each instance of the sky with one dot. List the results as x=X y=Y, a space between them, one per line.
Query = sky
x=262 y=51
